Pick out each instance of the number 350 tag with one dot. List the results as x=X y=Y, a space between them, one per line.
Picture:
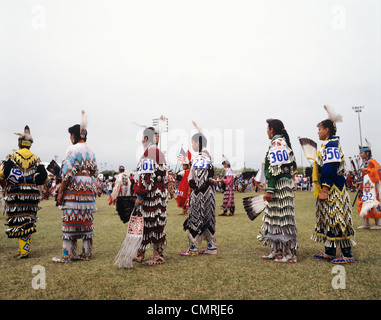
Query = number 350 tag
x=146 y=166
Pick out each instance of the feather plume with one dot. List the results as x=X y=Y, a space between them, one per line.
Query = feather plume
x=161 y=124
x=254 y=206
x=139 y=124
x=309 y=148
x=197 y=126
x=84 y=120
x=26 y=135
x=368 y=143
x=333 y=115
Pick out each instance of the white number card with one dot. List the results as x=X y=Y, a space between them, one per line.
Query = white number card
x=331 y=154
x=201 y=163
x=146 y=166
x=279 y=156
x=15 y=176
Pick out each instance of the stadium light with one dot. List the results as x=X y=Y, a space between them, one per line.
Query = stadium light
x=358 y=110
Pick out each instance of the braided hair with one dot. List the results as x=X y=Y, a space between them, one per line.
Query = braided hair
x=279 y=129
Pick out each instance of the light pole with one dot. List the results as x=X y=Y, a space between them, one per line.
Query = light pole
x=358 y=110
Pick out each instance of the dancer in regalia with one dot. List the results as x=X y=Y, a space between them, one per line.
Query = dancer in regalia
x=333 y=208
x=122 y=186
x=77 y=194
x=279 y=224
x=183 y=190
x=370 y=184
x=21 y=174
x=201 y=221
x=228 y=200
x=152 y=197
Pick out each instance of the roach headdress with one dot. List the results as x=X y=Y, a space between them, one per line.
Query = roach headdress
x=84 y=122
x=25 y=138
x=333 y=115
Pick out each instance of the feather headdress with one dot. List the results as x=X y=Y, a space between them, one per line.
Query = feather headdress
x=225 y=160
x=199 y=129
x=84 y=123
x=25 y=138
x=333 y=115
x=367 y=147
x=159 y=125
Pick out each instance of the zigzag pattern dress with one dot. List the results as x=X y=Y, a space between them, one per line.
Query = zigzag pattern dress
x=334 y=216
x=202 y=201
x=279 y=223
x=153 y=186
x=22 y=196
x=80 y=194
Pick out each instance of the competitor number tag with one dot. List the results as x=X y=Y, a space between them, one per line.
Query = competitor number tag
x=146 y=166
x=331 y=155
x=15 y=176
x=201 y=163
x=279 y=156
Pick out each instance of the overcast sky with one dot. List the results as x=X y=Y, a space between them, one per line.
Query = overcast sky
x=228 y=65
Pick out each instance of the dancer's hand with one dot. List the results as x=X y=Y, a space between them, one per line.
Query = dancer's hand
x=269 y=197
x=323 y=196
x=60 y=198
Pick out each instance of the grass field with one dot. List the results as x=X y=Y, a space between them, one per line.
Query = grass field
x=237 y=272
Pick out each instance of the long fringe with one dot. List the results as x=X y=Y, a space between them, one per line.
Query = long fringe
x=128 y=251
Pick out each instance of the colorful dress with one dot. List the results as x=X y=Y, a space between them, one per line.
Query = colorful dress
x=201 y=220
x=279 y=224
x=183 y=192
x=369 y=196
x=333 y=216
x=228 y=200
x=80 y=168
x=152 y=187
x=23 y=172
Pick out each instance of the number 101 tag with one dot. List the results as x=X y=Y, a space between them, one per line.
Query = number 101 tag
x=146 y=166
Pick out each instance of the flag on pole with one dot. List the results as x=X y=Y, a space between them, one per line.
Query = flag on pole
x=181 y=156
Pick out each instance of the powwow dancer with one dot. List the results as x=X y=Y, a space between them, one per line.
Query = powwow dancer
x=333 y=208
x=122 y=186
x=201 y=220
x=370 y=185
x=20 y=175
x=183 y=190
x=152 y=196
x=77 y=194
x=279 y=216
x=228 y=200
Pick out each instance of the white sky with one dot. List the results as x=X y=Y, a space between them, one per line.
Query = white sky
x=228 y=65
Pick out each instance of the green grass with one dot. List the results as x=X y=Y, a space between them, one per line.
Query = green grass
x=236 y=273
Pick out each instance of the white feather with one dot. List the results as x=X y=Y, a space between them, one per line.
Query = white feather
x=333 y=115
x=197 y=126
x=161 y=125
x=309 y=148
x=139 y=124
x=368 y=143
x=84 y=120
